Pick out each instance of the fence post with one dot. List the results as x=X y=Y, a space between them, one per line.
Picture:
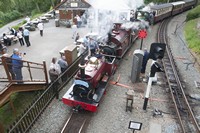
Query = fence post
x=45 y=72
x=6 y=68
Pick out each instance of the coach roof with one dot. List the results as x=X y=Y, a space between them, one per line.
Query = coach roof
x=178 y=3
x=157 y=7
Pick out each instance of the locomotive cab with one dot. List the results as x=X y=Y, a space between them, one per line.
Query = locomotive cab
x=82 y=90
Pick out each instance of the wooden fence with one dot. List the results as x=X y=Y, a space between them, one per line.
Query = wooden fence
x=24 y=122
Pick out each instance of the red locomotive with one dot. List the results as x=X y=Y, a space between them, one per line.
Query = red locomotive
x=92 y=78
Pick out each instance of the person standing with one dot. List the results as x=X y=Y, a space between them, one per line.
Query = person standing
x=77 y=37
x=41 y=28
x=82 y=48
x=93 y=46
x=54 y=72
x=20 y=37
x=78 y=21
x=13 y=32
x=144 y=61
x=17 y=65
x=28 y=20
x=74 y=31
x=26 y=37
x=63 y=64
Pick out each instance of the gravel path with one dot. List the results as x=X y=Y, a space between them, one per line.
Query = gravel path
x=111 y=116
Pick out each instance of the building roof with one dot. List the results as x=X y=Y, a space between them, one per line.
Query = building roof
x=71 y=4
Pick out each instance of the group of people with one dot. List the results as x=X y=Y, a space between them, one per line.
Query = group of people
x=57 y=67
x=21 y=34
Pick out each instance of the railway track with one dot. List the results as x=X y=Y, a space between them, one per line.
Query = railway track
x=77 y=122
x=187 y=120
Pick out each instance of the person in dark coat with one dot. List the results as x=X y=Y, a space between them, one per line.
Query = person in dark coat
x=17 y=65
x=6 y=40
x=26 y=37
x=144 y=61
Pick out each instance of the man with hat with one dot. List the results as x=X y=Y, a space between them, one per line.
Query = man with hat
x=17 y=65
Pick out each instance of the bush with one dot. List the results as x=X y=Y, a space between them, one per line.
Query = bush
x=193 y=14
x=34 y=12
x=9 y=17
x=192 y=34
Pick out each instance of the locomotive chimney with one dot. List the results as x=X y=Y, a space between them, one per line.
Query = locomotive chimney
x=117 y=26
x=82 y=67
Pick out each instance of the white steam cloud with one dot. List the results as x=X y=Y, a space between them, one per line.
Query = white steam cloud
x=104 y=13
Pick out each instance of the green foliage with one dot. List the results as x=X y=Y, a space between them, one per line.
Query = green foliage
x=193 y=14
x=9 y=16
x=13 y=9
x=20 y=101
x=192 y=34
x=35 y=12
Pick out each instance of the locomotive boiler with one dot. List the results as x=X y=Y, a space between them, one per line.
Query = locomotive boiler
x=120 y=39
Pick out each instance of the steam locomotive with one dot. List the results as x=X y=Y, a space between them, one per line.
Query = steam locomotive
x=91 y=80
x=160 y=12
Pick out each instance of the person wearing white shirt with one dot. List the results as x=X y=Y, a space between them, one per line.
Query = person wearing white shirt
x=79 y=21
x=20 y=37
x=41 y=28
x=82 y=49
x=28 y=20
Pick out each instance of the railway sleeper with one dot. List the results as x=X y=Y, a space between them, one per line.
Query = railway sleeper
x=167 y=62
x=169 y=71
x=168 y=68
x=171 y=78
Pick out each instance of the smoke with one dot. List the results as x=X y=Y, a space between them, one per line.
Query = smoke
x=103 y=13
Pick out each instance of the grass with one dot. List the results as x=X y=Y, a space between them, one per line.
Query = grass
x=21 y=101
x=192 y=34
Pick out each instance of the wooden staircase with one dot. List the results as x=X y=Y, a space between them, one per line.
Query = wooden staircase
x=10 y=86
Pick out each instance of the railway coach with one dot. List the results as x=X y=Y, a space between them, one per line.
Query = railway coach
x=163 y=11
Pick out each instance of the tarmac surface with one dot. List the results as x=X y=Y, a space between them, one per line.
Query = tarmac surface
x=111 y=116
x=45 y=48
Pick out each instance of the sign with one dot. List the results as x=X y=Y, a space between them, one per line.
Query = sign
x=142 y=34
x=74 y=4
x=135 y=125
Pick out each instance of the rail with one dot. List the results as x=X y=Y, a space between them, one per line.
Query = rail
x=183 y=109
x=81 y=119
